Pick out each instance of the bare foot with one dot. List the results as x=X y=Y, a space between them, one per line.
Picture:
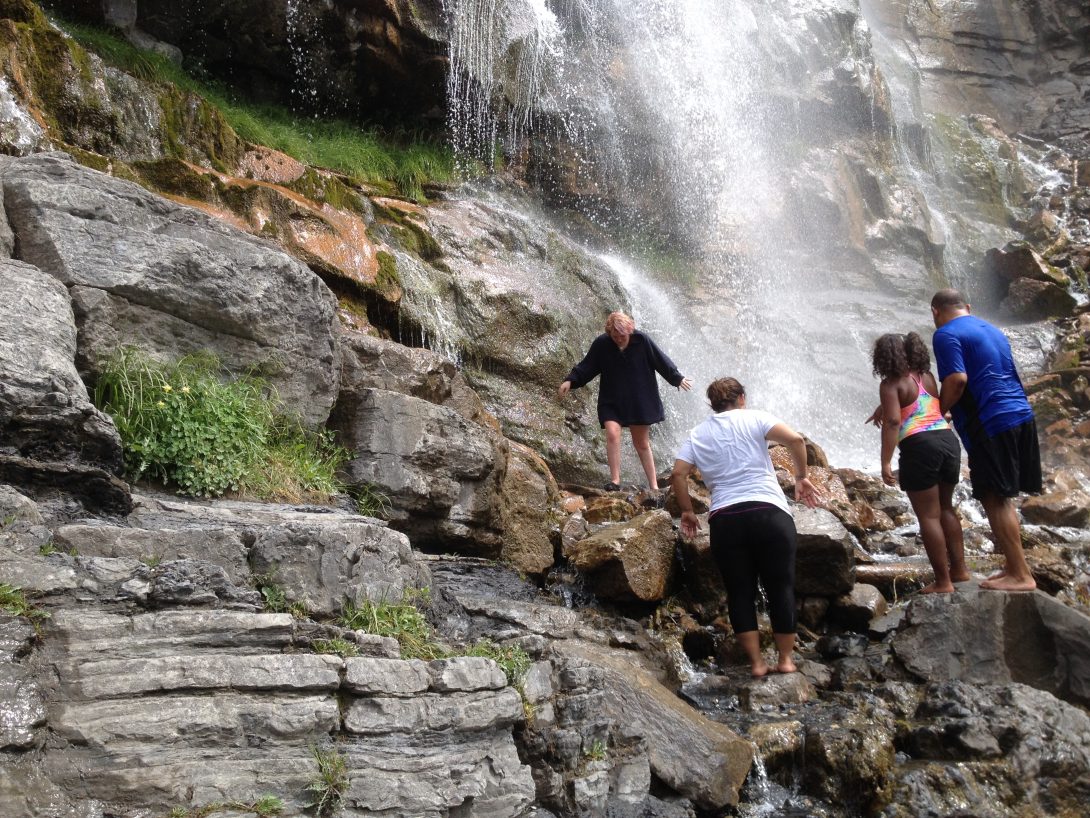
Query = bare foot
x=1006 y=583
x=785 y=666
x=757 y=671
x=936 y=588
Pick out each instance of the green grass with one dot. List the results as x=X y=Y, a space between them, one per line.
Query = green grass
x=330 y=782
x=513 y=659
x=402 y=620
x=407 y=161
x=371 y=502
x=13 y=601
x=266 y=806
x=182 y=425
x=337 y=647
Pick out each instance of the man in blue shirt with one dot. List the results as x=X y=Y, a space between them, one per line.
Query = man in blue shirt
x=981 y=387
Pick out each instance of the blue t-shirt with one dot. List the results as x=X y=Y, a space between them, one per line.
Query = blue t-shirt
x=994 y=399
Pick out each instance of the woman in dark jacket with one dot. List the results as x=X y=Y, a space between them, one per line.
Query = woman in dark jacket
x=628 y=394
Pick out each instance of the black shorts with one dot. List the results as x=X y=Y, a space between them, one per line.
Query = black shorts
x=929 y=458
x=1006 y=463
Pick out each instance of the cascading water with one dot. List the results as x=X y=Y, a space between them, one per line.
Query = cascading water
x=751 y=140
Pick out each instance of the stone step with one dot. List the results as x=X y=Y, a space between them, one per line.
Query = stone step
x=78 y=633
x=112 y=678
x=172 y=722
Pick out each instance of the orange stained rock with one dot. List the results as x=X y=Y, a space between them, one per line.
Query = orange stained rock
x=263 y=164
x=221 y=213
x=344 y=246
x=408 y=208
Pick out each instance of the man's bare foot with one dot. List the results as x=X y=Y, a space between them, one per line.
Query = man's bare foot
x=785 y=666
x=1006 y=583
x=936 y=588
x=757 y=671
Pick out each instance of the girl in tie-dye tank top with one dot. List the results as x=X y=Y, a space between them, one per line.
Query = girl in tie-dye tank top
x=930 y=454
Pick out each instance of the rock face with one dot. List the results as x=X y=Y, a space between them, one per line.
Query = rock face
x=172 y=280
x=167 y=666
x=45 y=411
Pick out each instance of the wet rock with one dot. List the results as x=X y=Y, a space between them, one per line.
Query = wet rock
x=774 y=690
x=1022 y=747
x=22 y=711
x=813 y=610
x=529 y=500
x=824 y=565
x=1031 y=300
x=609 y=509
x=1019 y=260
x=630 y=561
x=171 y=280
x=701 y=760
x=45 y=411
x=855 y=610
x=1070 y=508
x=701 y=581
x=850 y=761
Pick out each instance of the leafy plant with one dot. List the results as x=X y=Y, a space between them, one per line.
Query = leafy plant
x=45 y=549
x=182 y=424
x=597 y=752
x=403 y=621
x=339 y=647
x=13 y=601
x=330 y=783
x=513 y=659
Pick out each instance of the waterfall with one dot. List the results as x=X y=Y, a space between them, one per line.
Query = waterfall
x=771 y=149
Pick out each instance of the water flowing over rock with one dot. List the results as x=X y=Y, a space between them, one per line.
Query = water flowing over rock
x=171 y=280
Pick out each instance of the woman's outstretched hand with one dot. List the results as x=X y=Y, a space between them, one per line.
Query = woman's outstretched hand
x=690 y=524
x=564 y=388
x=685 y=385
x=876 y=417
x=807 y=492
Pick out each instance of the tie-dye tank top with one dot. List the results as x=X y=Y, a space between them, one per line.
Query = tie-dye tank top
x=922 y=415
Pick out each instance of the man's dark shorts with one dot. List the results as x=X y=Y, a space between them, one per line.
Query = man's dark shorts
x=929 y=458
x=1006 y=463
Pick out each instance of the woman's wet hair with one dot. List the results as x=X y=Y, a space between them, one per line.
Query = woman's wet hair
x=896 y=355
x=724 y=394
x=621 y=321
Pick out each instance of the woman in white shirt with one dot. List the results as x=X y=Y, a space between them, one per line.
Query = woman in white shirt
x=752 y=532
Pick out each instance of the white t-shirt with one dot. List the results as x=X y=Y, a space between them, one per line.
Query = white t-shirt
x=731 y=452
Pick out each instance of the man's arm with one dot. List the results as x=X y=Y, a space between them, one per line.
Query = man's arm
x=953 y=387
x=679 y=481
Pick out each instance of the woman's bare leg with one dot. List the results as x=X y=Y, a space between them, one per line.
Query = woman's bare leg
x=751 y=644
x=955 y=538
x=641 y=439
x=613 y=450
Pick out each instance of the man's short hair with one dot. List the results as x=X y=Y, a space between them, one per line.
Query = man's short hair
x=948 y=298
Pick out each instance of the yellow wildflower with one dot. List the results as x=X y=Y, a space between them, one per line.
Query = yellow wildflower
x=167 y=387
x=185 y=390
x=160 y=404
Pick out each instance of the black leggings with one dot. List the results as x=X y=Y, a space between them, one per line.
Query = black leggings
x=751 y=541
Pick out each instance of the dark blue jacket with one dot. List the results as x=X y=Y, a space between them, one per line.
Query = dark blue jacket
x=628 y=392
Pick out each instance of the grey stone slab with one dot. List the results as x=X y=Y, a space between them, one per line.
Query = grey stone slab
x=22 y=711
x=110 y=678
x=390 y=677
x=456 y=711
x=466 y=673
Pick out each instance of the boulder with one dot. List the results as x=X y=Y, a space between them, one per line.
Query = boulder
x=172 y=280
x=1070 y=508
x=1019 y=260
x=825 y=563
x=850 y=762
x=775 y=689
x=856 y=609
x=45 y=411
x=529 y=498
x=702 y=760
x=441 y=473
x=983 y=637
x=631 y=561
x=1032 y=300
